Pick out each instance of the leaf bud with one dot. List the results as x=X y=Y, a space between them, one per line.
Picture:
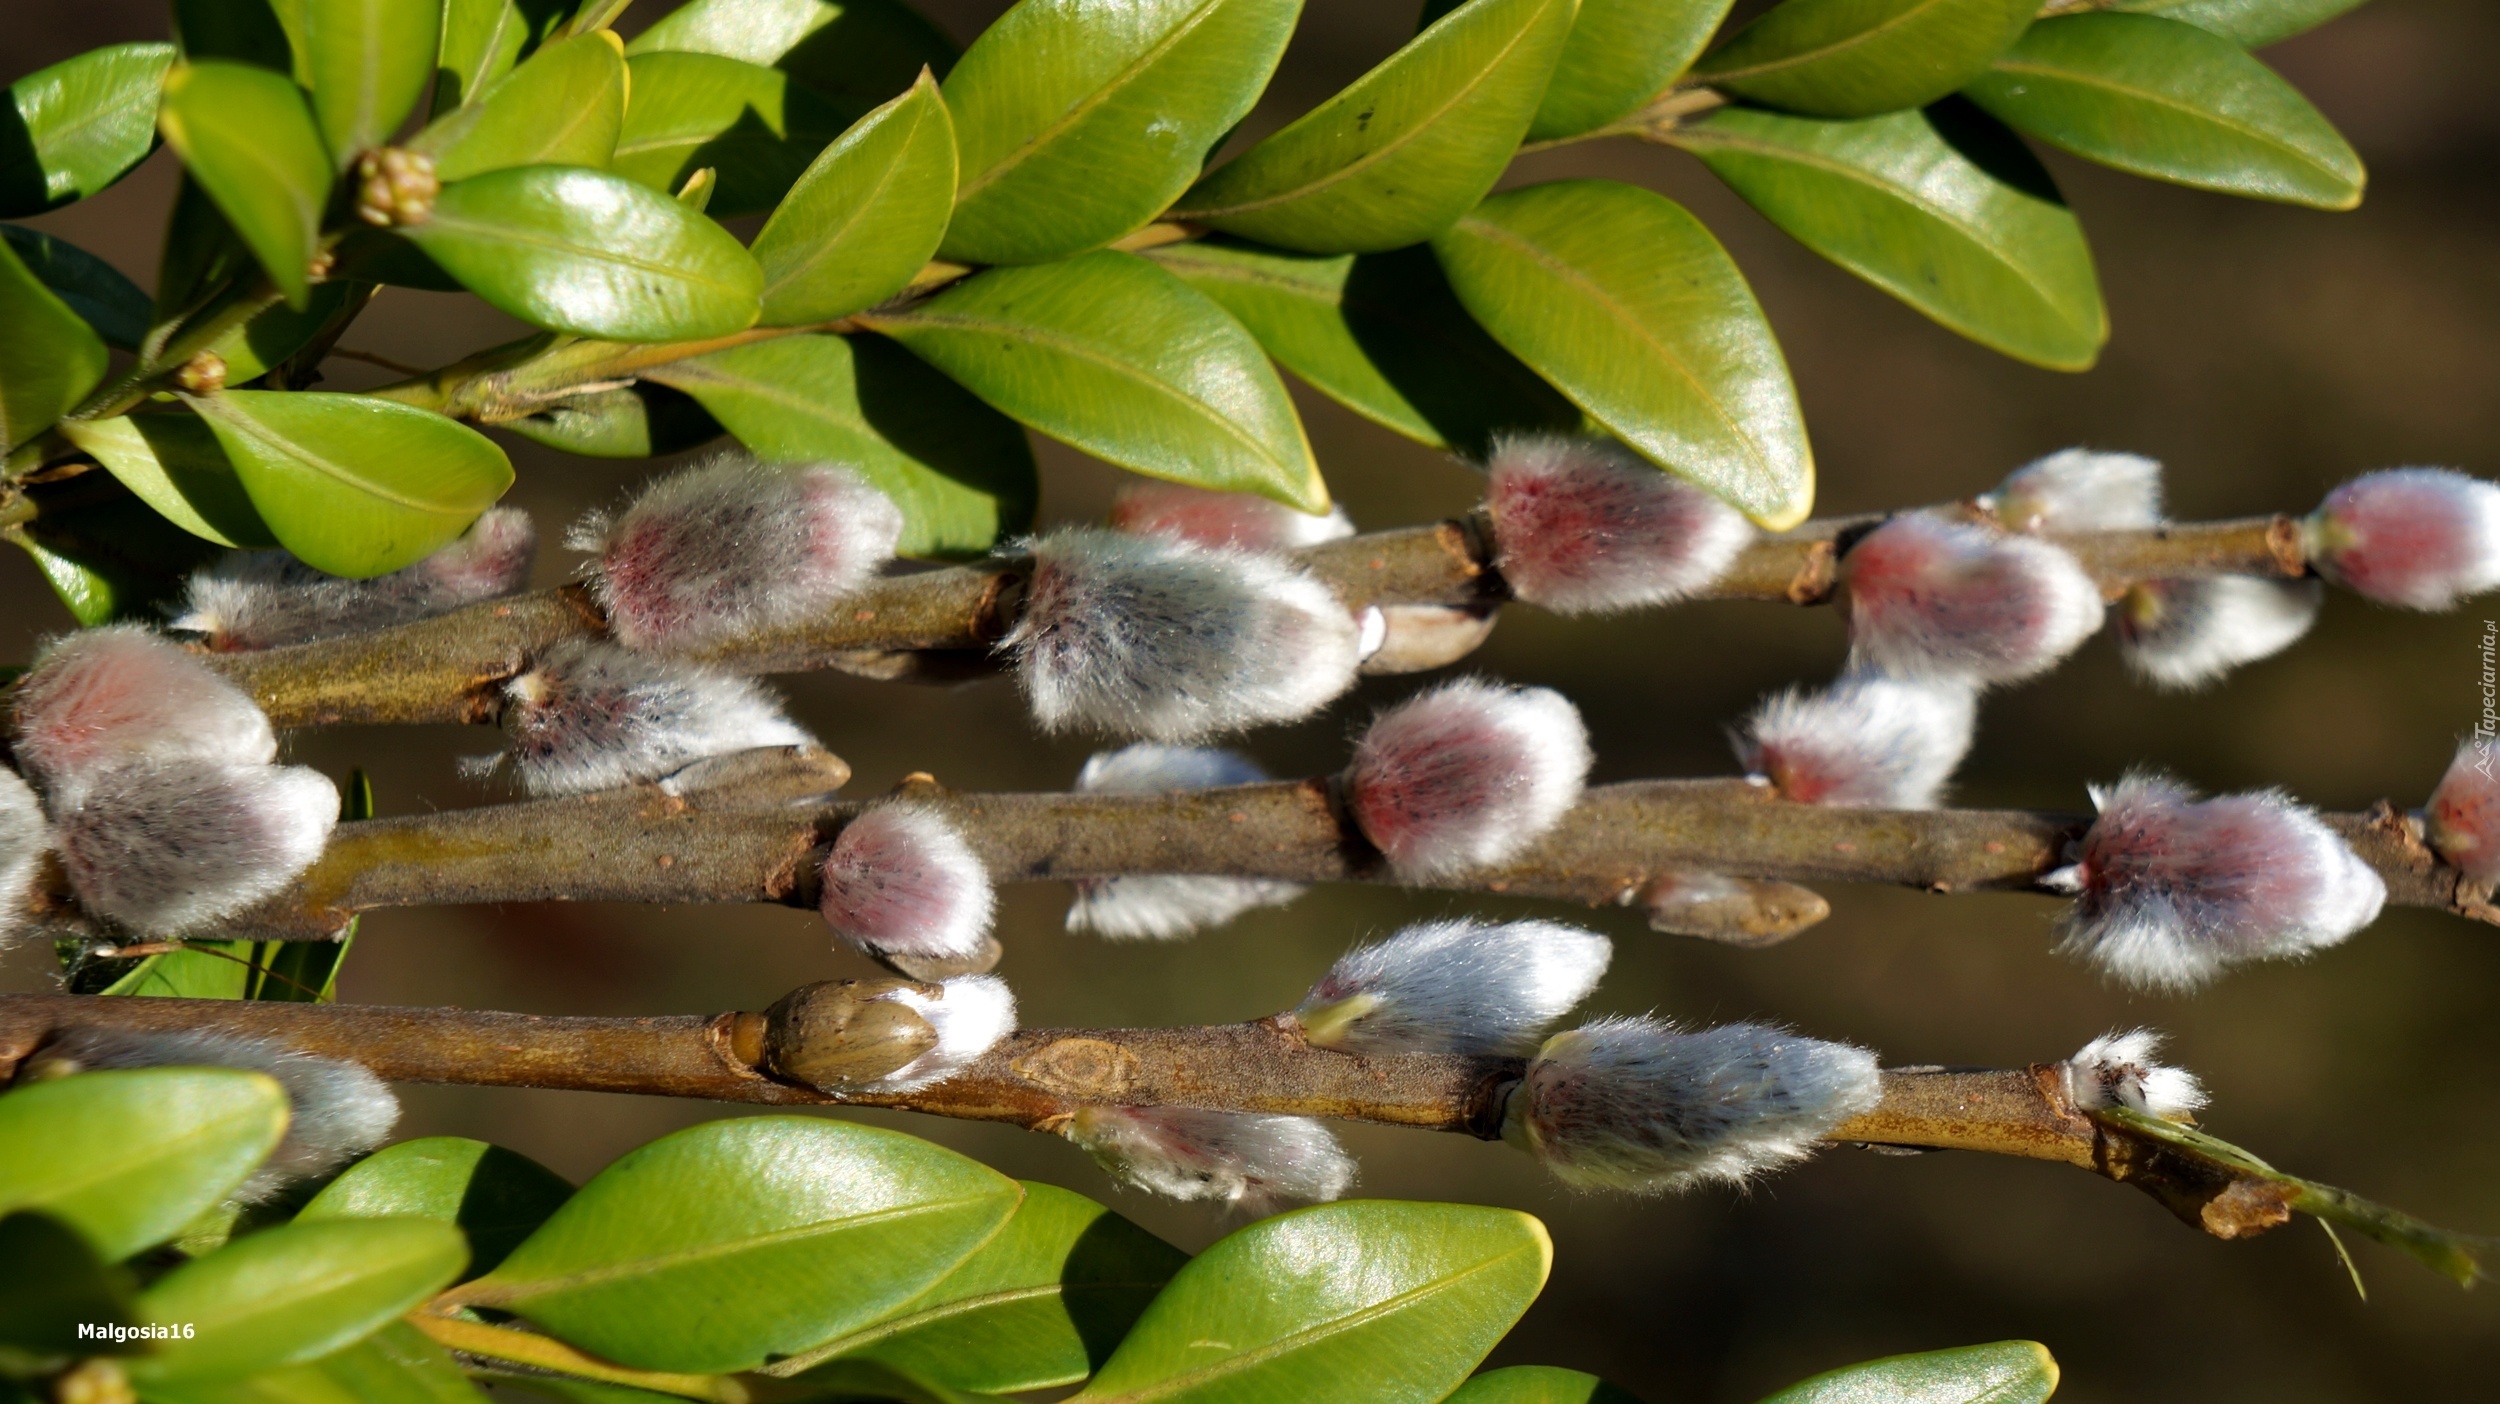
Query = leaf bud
x=395 y=187
x=836 y=1035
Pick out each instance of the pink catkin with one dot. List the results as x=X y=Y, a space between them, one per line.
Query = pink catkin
x=1934 y=598
x=900 y=880
x=2421 y=538
x=1466 y=774
x=1581 y=526
x=104 y=697
x=1243 y=521
x=2463 y=816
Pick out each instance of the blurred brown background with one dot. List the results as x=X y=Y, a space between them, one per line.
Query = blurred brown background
x=2262 y=352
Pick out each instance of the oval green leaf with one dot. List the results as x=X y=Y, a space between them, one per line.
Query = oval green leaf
x=1381 y=334
x=865 y=216
x=592 y=253
x=250 y=350
x=259 y=32
x=128 y=1157
x=1375 y=1301
x=352 y=485
x=2158 y=98
x=2251 y=24
x=49 y=357
x=1857 y=58
x=1077 y=122
x=1623 y=300
x=856 y=53
x=369 y=61
x=634 y=421
x=293 y=1293
x=72 y=129
x=175 y=465
x=962 y=472
x=562 y=107
x=1113 y=355
x=481 y=40
x=1400 y=155
x=114 y=559
x=496 y=1197
x=722 y=1245
x=1041 y=1306
x=2007 y=1372
x=246 y=136
x=54 y=1284
x=97 y=291
x=1943 y=208
x=1539 y=1384
x=751 y=125
x=395 y=1365
x=1622 y=53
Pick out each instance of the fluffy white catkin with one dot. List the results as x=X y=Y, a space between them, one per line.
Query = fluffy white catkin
x=1868 y=741
x=2120 y=1069
x=2184 y=634
x=970 y=1014
x=1583 y=526
x=1242 y=520
x=1454 y=987
x=1466 y=774
x=261 y=599
x=103 y=698
x=900 y=880
x=2080 y=489
x=1248 y=1161
x=169 y=847
x=589 y=715
x=1940 y=599
x=1164 y=906
x=2416 y=538
x=23 y=839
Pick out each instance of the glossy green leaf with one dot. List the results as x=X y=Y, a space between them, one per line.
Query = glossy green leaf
x=1078 y=122
x=128 y=1157
x=1400 y=155
x=496 y=1197
x=1540 y=1384
x=865 y=216
x=109 y=560
x=1381 y=334
x=1622 y=53
x=1374 y=1301
x=636 y=421
x=1041 y=1306
x=1113 y=355
x=724 y=1244
x=246 y=136
x=1857 y=58
x=1944 y=209
x=479 y=43
x=72 y=129
x=592 y=253
x=252 y=350
x=2007 y=1372
x=53 y=1283
x=962 y=472
x=97 y=291
x=2249 y=23
x=751 y=124
x=1623 y=300
x=369 y=61
x=49 y=358
x=857 y=53
x=562 y=107
x=293 y=1293
x=353 y=485
x=257 y=32
x=395 y=1365
x=2158 y=98
x=174 y=463
x=850 y=1381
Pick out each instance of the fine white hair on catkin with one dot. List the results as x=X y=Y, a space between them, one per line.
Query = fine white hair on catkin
x=2462 y=818
x=2415 y=538
x=732 y=547
x=335 y=1109
x=2171 y=890
x=261 y=599
x=590 y=715
x=2122 y=1069
x=1632 y=1104
x=103 y=698
x=1241 y=520
x=2184 y=634
x=1466 y=774
x=1248 y=1161
x=1152 y=637
x=1934 y=598
x=23 y=838
x=1583 y=526
x=168 y=847
x=1868 y=741
x=969 y=1013
x=2080 y=489
x=899 y=880
x=1462 y=986
x=1167 y=905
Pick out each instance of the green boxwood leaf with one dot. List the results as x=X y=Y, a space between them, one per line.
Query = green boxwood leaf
x=751 y=124
x=2250 y=23
x=1078 y=122
x=1622 y=53
x=49 y=357
x=246 y=136
x=1041 y=1306
x=2007 y=1372
x=250 y=350
x=258 y=32
x=1377 y=1301
x=724 y=1244
x=562 y=107
x=72 y=129
x=1623 y=300
x=1400 y=155
x=857 y=53
x=865 y=216
x=1857 y=58
x=2168 y=100
x=97 y=291
x=109 y=560
x=962 y=472
x=480 y=41
x=369 y=60
x=496 y=1197
x=293 y=1293
x=352 y=485
x=634 y=421
x=592 y=253
x=128 y=1157
x=1111 y=354
x=1381 y=334
x=1944 y=209
x=395 y=1365
x=53 y=1284
x=175 y=465
x=1540 y=1384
